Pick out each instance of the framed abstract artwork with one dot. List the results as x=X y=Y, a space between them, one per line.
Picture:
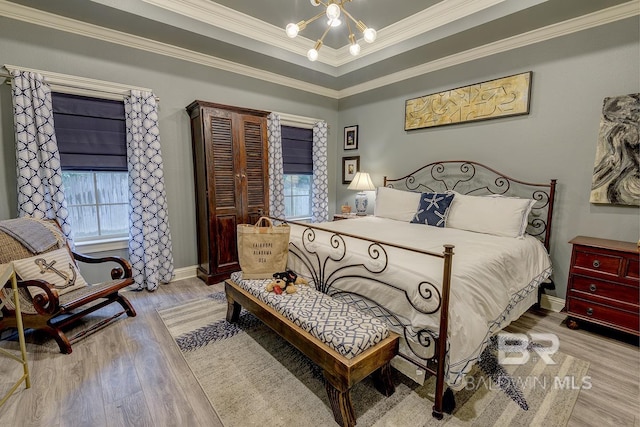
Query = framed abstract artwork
x=506 y=96
x=350 y=166
x=616 y=175
x=351 y=137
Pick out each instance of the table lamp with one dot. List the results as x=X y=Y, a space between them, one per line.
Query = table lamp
x=361 y=182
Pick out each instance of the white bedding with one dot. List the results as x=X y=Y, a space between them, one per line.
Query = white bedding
x=494 y=279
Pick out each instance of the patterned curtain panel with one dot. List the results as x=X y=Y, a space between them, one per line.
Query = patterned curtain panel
x=150 y=251
x=276 y=174
x=320 y=185
x=40 y=189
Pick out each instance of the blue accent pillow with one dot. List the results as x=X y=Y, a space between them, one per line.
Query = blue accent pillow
x=433 y=209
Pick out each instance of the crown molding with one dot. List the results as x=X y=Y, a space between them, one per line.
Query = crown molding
x=209 y=12
x=220 y=16
x=45 y=19
x=438 y=15
x=595 y=19
x=57 y=22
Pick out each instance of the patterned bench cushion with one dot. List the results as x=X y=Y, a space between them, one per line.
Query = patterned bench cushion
x=341 y=327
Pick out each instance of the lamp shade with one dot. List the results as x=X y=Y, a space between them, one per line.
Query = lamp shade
x=362 y=182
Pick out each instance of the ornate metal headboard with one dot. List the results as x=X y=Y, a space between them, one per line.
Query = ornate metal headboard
x=473 y=178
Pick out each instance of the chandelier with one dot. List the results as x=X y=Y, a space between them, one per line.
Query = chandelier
x=334 y=8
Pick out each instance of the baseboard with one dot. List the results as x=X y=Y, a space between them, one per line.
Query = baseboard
x=552 y=303
x=184 y=273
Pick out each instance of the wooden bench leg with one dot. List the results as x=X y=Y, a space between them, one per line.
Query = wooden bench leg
x=233 y=310
x=341 y=405
x=382 y=380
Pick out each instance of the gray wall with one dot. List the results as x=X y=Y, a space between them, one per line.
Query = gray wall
x=175 y=82
x=571 y=77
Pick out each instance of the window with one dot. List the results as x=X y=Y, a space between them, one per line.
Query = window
x=297 y=196
x=92 y=143
x=98 y=204
x=297 y=145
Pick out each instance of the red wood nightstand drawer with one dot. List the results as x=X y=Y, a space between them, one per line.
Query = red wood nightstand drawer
x=598 y=262
x=604 y=286
x=601 y=288
x=603 y=314
x=633 y=269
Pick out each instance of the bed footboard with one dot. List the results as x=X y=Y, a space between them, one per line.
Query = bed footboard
x=327 y=270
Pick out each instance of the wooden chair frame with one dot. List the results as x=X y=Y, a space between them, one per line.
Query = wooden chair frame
x=51 y=312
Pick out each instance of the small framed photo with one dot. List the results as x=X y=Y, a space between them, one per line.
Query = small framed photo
x=350 y=166
x=351 y=137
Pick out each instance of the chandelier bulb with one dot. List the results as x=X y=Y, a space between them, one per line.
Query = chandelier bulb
x=354 y=49
x=369 y=35
x=312 y=55
x=292 y=30
x=333 y=11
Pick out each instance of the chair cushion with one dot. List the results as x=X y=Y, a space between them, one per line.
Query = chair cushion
x=56 y=267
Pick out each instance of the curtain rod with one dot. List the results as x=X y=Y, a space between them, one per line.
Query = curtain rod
x=81 y=90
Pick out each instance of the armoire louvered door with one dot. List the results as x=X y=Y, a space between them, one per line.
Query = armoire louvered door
x=230 y=169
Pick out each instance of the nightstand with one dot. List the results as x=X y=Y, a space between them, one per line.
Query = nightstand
x=340 y=216
x=8 y=274
x=603 y=284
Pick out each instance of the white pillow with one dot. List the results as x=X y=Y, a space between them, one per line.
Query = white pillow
x=501 y=216
x=396 y=204
x=44 y=267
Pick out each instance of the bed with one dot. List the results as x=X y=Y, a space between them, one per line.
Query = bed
x=471 y=262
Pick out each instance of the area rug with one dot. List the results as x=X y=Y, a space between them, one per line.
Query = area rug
x=253 y=377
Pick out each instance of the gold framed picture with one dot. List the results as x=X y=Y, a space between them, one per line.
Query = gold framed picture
x=506 y=96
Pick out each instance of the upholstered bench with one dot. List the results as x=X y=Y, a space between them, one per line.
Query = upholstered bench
x=347 y=344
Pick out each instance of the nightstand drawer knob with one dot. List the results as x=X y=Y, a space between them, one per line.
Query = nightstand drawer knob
x=592 y=287
x=589 y=311
x=596 y=264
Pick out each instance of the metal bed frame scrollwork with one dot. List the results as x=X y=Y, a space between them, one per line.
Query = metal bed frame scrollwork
x=466 y=177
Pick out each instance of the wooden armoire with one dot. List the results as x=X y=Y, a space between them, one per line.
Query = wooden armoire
x=231 y=181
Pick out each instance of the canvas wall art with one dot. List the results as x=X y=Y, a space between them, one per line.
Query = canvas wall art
x=616 y=173
x=507 y=96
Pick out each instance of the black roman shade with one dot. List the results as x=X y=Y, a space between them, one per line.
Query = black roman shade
x=297 y=148
x=90 y=133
